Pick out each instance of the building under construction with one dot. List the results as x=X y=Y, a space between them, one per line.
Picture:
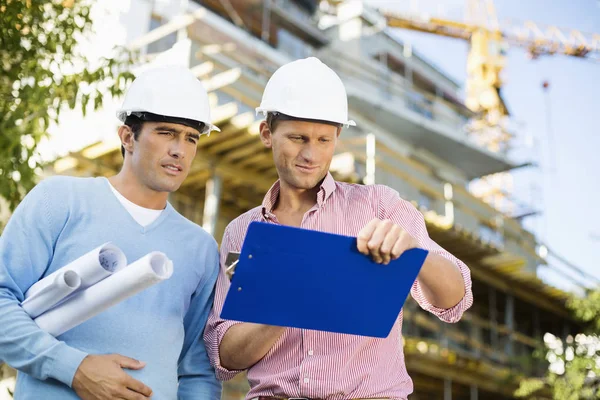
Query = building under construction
x=411 y=135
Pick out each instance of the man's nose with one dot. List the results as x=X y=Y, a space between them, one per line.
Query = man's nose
x=307 y=152
x=177 y=149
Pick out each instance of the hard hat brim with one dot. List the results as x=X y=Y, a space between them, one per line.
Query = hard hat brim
x=264 y=111
x=152 y=117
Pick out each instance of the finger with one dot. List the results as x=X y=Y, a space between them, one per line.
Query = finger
x=137 y=386
x=365 y=235
x=402 y=244
x=374 y=244
x=389 y=241
x=128 y=394
x=128 y=362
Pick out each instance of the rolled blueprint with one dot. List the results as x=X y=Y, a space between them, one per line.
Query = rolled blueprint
x=92 y=267
x=143 y=273
x=63 y=284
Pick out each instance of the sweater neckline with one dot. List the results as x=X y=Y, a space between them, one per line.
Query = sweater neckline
x=126 y=215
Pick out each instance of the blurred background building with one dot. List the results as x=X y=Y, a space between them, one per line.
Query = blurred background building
x=446 y=152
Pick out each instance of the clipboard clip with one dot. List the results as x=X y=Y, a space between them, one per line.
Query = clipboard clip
x=231 y=269
x=230 y=263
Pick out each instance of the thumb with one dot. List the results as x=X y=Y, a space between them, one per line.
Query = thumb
x=365 y=235
x=128 y=363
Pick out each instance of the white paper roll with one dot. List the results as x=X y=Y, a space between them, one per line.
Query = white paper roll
x=64 y=283
x=92 y=267
x=143 y=273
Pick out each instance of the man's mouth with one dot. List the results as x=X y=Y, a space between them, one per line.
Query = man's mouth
x=305 y=168
x=173 y=168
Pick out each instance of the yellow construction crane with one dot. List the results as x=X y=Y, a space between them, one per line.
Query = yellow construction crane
x=489 y=43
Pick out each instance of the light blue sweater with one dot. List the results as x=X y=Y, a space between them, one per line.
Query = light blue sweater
x=63 y=218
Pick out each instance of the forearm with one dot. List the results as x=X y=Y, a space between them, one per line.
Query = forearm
x=245 y=344
x=441 y=281
x=25 y=347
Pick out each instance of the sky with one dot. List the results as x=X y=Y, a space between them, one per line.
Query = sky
x=566 y=184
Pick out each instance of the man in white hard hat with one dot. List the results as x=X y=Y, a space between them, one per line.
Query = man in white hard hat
x=306 y=107
x=150 y=344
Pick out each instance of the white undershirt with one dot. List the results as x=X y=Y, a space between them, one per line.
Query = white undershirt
x=143 y=216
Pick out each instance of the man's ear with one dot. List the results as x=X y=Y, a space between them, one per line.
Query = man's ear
x=127 y=138
x=265 y=134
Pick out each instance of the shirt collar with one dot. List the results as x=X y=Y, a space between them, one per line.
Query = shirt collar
x=328 y=186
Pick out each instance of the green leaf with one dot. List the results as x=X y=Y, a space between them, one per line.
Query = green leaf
x=579 y=381
x=529 y=386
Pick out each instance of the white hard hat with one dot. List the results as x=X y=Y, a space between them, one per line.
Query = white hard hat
x=172 y=92
x=306 y=89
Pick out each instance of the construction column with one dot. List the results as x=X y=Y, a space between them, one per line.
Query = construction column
x=509 y=317
x=474 y=392
x=370 y=164
x=448 y=389
x=211 y=203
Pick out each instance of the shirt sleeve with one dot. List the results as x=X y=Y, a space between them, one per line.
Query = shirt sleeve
x=217 y=327
x=26 y=250
x=403 y=213
x=197 y=378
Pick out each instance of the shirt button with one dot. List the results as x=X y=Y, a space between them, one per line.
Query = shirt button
x=310 y=352
x=306 y=380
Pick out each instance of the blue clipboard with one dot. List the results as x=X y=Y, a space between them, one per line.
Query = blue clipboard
x=299 y=278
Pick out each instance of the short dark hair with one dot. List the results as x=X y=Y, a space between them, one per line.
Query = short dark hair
x=135 y=124
x=275 y=117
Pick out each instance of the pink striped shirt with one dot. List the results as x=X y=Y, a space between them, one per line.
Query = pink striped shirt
x=331 y=366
